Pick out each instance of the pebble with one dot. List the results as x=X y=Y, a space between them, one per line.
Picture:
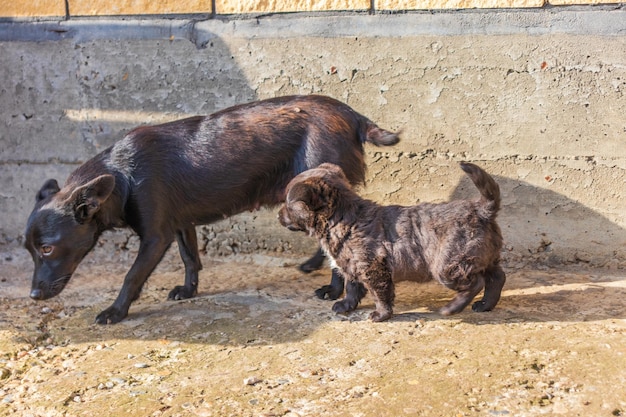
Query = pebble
x=8 y=399
x=117 y=380
x=46 y=310
x=252 y=380
x=141 y=365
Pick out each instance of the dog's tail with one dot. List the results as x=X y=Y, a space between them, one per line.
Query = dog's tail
x=378 y=136
x=488 y=187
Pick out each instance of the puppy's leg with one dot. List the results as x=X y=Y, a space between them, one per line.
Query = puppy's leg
x=494 y=281
x=464 y=295
x=314 y=262
x=378 y=281
x=355 y=291
x=151 y=251
x=188 y=248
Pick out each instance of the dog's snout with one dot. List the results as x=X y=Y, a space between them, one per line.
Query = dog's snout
x=36 y=294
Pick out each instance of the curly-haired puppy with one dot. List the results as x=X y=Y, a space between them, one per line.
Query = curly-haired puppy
x=457 y=243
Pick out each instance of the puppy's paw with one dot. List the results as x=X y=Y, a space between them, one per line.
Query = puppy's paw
x=328 y=291
x=344 y=306
x=180 y=292
x=377 y=316
x=111 y=316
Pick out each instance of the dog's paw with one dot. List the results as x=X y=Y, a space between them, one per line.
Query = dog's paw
x=344 y=306
x=110 y=316
x=180 y=292
x=377 y=316
x=480 y=307
x=328 y=291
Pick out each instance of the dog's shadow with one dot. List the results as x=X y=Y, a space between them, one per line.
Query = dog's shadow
x=563 y=260
x=550 y=228
x=530 y=295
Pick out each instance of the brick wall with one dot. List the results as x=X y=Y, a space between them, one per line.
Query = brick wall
x=74 y=8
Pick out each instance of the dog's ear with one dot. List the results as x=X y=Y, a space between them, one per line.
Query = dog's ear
x=87 y=199
x=49 y=188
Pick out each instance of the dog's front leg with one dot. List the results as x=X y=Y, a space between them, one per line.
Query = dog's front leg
x=150 y=253
x=188 y=248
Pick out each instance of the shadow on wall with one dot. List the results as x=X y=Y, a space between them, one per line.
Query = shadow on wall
x=74 y=88
x=559 y=229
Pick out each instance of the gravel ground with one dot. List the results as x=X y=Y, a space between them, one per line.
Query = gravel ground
x=256 y=342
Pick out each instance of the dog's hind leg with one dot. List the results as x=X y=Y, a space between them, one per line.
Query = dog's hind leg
x=188 y=248
x=494 y=281
x=355 y=291
x=464 y=296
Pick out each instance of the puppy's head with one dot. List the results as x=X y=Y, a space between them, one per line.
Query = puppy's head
x=312 y=198
x=61 y=230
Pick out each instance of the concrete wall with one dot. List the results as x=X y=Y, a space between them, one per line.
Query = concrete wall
x=535 y=96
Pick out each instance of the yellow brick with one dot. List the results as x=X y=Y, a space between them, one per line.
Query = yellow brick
x=267 y=6
x=454 y=4
x=572 y=2
x=32 y=8
x=136 y=7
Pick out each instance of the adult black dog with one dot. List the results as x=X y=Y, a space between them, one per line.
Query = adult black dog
x=163 y=180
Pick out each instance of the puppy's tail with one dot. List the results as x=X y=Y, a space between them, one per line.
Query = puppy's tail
x=488 y=187
x=377 y=136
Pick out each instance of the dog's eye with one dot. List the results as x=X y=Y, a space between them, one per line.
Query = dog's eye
x=46 y=250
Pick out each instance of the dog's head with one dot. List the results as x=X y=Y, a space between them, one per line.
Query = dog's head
x=61 y=230
x=312 y=198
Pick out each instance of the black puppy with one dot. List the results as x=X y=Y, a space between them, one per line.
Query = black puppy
x=163 y=180
x=456 y=243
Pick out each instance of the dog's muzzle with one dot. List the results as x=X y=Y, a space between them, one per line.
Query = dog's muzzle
x=43 y=290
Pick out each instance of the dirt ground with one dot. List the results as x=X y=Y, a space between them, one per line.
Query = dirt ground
x=256 y=342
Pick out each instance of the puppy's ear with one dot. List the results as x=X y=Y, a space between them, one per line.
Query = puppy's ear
x=87 y=199
x=49 y=188
x=334 y=169
x=307 y=194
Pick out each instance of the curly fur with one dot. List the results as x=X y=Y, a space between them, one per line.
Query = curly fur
x=456 y=243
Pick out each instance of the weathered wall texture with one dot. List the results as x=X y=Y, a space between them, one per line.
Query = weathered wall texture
x=538 y=99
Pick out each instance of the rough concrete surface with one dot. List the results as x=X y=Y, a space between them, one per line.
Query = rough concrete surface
x=537 y=99
x=256 y=342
